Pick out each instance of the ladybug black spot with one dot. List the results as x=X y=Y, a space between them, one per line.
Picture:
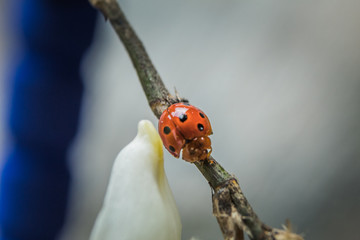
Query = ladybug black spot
x=172 y=148
x=183 y=117
x=167 y=130
x=200 y=127
x=202 y=115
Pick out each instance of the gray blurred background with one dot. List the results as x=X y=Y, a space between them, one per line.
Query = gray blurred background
x=280 y=83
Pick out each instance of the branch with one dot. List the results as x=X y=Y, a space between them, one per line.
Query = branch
x=156 y=93
x=230 y=207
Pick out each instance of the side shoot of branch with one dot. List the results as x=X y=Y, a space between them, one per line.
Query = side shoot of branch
x=230 y=207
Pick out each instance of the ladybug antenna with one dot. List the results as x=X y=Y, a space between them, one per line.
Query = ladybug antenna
x=178 y=98
x=177 y=94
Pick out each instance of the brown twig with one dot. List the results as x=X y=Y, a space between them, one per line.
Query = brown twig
x=230 y=207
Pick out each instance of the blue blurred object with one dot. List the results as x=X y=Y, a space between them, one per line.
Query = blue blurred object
x=46 y=92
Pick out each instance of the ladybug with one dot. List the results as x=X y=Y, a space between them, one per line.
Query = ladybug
x=184 y=126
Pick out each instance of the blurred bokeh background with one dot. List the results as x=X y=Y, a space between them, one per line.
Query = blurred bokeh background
x=280 y=82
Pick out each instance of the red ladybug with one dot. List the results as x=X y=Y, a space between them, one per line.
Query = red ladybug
x=183 y=125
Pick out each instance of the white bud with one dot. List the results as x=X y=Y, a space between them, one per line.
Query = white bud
x=139 y=203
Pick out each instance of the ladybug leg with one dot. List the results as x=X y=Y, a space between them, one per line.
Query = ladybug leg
x=209 y=152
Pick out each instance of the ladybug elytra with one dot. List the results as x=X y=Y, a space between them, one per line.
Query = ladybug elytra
x=183 y=126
